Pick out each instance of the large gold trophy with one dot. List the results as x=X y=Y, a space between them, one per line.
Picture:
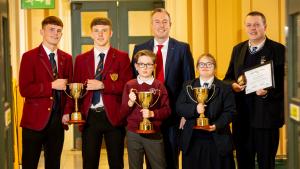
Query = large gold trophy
x=201 y=95
x=144 y=100
x=76 y=92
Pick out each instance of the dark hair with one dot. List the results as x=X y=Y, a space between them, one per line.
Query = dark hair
x=52 y=20
x=256 y=13
x=208 y=55
x=144 y=53
x=156 y=10
x=101 y=21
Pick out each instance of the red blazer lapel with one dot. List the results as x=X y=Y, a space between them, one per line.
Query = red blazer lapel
x=45 y=61
x=91 y=64
x=108 y=61
x=61 y=60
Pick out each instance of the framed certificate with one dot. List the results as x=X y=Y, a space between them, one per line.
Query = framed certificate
x=260 y=77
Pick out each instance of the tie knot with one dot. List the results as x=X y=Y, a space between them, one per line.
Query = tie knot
x=205 y=85
x=254 y=49
x=160 y=46
x=51 y=55
x=102 y=56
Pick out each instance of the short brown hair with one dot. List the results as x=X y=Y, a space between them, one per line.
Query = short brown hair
x=209 y=56
x=144 y=53
x=101 y=21
x=256 y=13
x=53 y=20
x=156 y=10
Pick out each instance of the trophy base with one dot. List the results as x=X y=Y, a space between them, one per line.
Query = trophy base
x=201 y=127
x=76 y=121
x=145 y=131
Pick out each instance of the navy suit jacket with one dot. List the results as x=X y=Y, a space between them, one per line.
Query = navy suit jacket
x=179 y=68
x=219 y=111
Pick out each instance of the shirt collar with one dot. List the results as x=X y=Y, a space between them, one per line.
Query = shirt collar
x=259 y=46
x=48 y=51
x=148 y=81
x=166 y=43
x=97 y=52
x=209 y=81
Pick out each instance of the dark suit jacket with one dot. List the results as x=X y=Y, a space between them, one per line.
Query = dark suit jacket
x=118 y=63
x=267 y=112
x=178 y=69
x=35 y=85
x=219 y=111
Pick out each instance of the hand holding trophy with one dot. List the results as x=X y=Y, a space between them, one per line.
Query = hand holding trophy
x=144 y=100
x=201 y=95
x=76 y=92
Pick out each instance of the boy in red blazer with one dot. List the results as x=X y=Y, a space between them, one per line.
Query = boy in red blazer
x=105 y=70
x=44 y=73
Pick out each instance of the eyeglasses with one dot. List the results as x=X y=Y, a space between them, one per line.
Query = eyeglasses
x=207 y=64
x=147 y=65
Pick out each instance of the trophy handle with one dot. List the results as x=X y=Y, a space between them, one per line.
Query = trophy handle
x=86 y=91
x=156 y=98
x=214 y=89
x=67 y=93
x=187 y=90
x=135 y=91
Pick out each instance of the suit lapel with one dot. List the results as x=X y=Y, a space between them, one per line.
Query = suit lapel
x=111 y=55
x=241 y=59
x=45 y=61
x=90 y=64
x=171 y=47
x=61 y=61
x=214 y=90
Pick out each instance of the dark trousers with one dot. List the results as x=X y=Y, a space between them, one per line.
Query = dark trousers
x=260 y=143
x=96 y=127
x=171 y=136
x=51 y=139
x=202 y=153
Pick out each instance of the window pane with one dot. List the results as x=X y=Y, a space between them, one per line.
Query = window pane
x=139 y=23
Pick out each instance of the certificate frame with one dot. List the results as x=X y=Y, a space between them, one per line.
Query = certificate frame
x=260 y=77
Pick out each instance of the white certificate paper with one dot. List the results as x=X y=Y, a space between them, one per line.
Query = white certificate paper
x=260 y=77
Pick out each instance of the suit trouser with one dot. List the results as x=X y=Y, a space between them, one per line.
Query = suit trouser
x=51 y=139
x=96 y=127
x=139 y=145
x=262 y=143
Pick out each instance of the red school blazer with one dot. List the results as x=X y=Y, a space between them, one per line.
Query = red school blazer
x=35 y=79
x=117 y=71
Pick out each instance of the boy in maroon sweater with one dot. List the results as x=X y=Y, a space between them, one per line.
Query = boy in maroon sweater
x=149 y=144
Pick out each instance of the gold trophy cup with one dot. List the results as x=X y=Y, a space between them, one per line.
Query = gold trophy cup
x=144 y=100
x=201 y=95
x=242 y=80
x=76 y=90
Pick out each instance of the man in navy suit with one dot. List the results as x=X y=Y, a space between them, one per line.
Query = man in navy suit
x=177 y=66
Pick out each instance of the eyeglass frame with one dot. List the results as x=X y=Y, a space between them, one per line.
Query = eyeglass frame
x=145 y=65
x=206 y=64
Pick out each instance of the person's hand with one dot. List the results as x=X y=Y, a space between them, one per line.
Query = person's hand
x=94 y=84
x=237 y=88
x=132 y=96
x=210 y=128
x=200 y=108
x=65 y=119
x=147 y=113
x=182 y=122
x=59 y=84
x=261 y=92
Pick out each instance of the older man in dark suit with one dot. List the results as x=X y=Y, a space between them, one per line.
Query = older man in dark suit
x=174 y=65
x=259 y=114
x=44 y=73
x=105 y=70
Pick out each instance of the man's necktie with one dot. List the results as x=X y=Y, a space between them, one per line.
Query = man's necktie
x=205 y=85
x=98 y=76
x=253 y=49
x=55 y=75
x=159 y=65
